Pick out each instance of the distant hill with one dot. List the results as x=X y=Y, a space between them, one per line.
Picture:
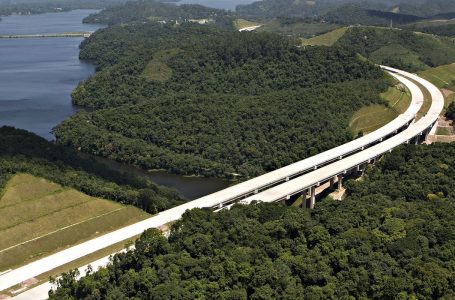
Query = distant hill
x=426 y=8
x=399 y=48
x=441 y=30
x=349 y=11
x=354 y=14
x=151 y=10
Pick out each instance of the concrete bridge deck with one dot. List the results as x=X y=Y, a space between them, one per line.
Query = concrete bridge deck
x=307 y=183
x=316 y=176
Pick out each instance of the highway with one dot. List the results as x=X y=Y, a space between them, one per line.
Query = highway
x=339 y=163
x=315 y=178
x=257 y=184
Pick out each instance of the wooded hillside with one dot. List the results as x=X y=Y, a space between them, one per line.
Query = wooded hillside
x=199 y=100
x=392 y=238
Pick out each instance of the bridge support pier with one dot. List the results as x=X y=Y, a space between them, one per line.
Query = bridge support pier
x=332 y=182
x=304 y=198
x=340 y=182
x=312 y=196
x=309 y=203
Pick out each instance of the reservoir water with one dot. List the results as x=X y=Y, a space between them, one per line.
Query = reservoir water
x=37 y=76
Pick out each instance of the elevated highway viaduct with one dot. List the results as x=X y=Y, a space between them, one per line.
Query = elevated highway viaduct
x=307 y=184
x=274 y=186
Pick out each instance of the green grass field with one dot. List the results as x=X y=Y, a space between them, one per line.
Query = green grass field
x=430 y=23
x=242 y=23
x=157 y=69
x=442 y=76
x=407 y=56
x=302 y=29
x=43 y=217
x=449 y=100
x=372 y=117
x=443 y=131
x=326 y=39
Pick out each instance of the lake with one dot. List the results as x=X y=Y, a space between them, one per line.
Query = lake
x=37 y=76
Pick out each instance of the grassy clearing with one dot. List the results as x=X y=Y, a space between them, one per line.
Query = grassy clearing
x=442 y=77
x=44 y=218
x=42 y=278
x=326 y=39
x=448 y=100
x=427 y=100
x=242 y=23
x=407 y=56
x=372 y=117
x=157 y=69
x=443 y=131
x=430 y=23
x=19 y=188
x=303 y=29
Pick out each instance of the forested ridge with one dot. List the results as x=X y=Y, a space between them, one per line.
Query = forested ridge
x=227 y=102
x=379 y=10
x=391 y=238
x=25 y=152
x=154 y=10
x=399 y=48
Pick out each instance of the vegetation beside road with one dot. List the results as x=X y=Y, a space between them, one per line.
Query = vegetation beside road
x=24 y=152
x=443 y=76
x=44 y=217
x=393 y=236
x=372 y=117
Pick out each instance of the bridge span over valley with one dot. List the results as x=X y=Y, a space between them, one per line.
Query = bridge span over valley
x=302 y=177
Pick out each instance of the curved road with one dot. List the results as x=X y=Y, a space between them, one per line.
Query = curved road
x=48 y=263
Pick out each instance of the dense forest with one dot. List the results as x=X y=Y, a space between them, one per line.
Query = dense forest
x=392 y=238
x=195 y=99
x=25 y=152
x=154 y=10
x=399 y=48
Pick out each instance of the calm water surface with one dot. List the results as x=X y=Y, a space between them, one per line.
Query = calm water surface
x=38 y=75
x=48 y=23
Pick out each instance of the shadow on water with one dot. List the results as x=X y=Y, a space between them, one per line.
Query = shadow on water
x=190 y=187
